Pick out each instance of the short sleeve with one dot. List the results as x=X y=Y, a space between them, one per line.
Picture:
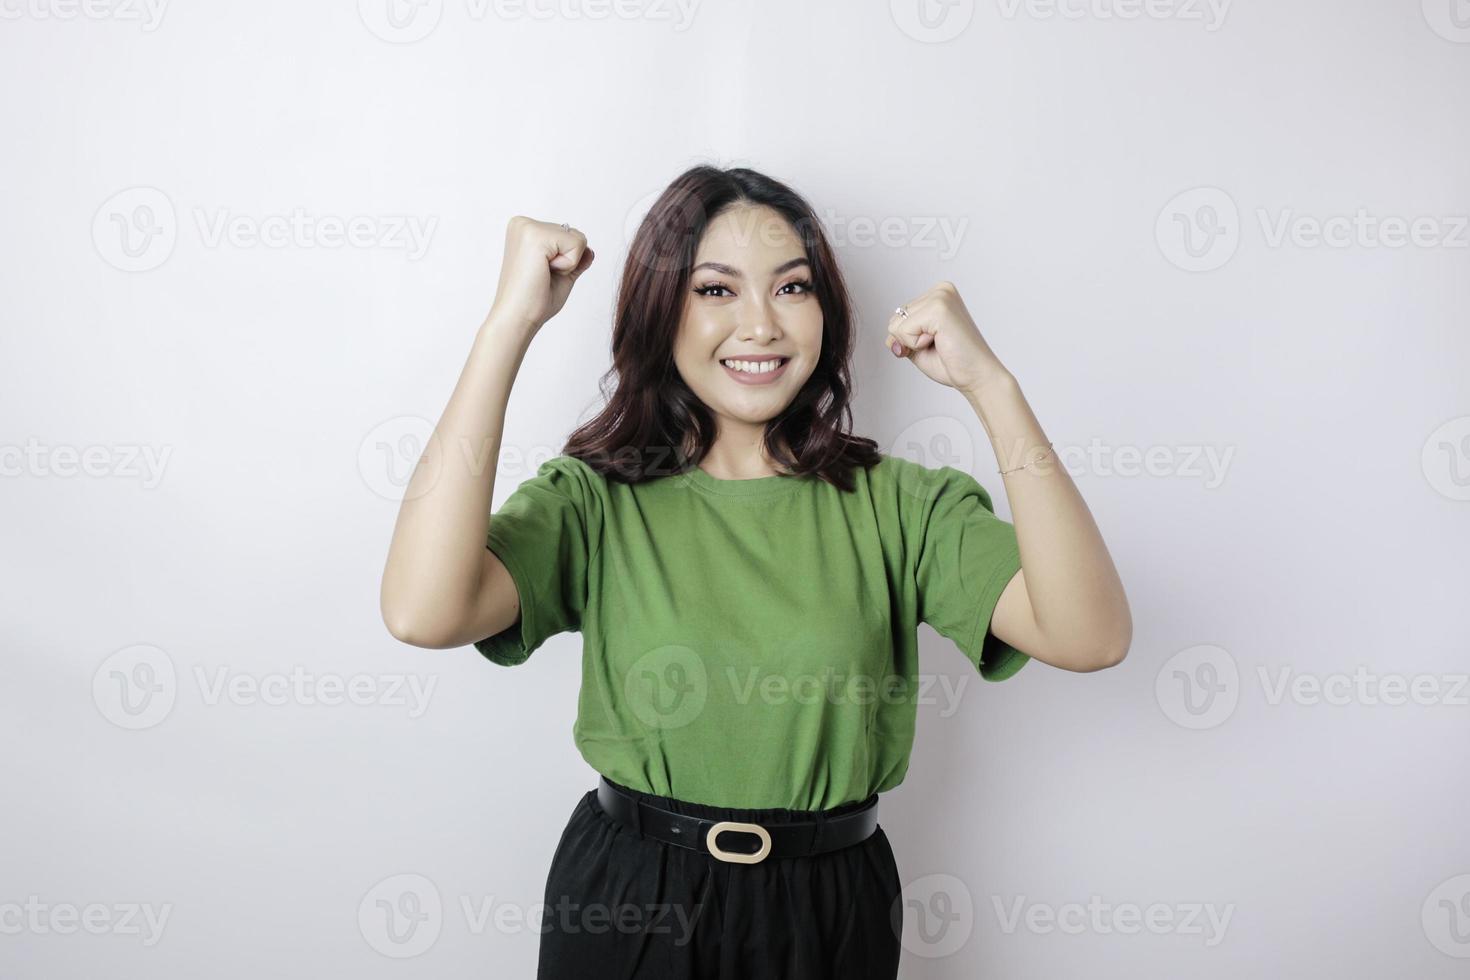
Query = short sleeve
x=966 y=557
x=541 y=536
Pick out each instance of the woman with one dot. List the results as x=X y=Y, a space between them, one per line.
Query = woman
x=748 y=577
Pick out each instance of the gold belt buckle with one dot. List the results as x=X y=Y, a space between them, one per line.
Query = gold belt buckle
x=736 y=857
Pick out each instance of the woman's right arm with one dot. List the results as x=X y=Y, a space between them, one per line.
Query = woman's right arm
x=442 y=587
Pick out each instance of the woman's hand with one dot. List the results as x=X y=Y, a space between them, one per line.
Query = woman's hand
x=542 y=261
x=941 y=338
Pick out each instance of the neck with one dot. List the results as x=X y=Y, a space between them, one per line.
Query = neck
x=738 y=454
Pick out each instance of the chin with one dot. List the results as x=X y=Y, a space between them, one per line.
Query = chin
x=755 y=411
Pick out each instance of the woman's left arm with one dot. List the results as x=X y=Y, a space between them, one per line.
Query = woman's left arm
x=1066 y=606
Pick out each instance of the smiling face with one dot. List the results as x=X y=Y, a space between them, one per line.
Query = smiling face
x=751 y=332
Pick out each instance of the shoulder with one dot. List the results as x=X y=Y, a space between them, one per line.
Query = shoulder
x=570 y=467
x=562 y=477
x=918 y=487
x=567 y=470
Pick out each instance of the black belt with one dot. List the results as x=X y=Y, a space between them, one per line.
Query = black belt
x=778 y=840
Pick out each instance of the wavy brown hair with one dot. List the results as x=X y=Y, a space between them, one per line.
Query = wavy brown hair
x=652 y=424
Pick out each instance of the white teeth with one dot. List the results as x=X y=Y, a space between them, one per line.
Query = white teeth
x=754 y=367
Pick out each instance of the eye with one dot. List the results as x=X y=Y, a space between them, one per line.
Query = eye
x=708 y=289
x=803 y=286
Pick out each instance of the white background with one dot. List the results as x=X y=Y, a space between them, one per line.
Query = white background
x=1113 y=187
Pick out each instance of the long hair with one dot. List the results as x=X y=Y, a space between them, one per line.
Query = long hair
x=652 y=424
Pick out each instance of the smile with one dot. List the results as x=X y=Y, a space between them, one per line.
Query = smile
x=755 y=370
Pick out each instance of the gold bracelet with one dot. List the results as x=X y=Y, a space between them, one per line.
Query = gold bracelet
x=1039 y=456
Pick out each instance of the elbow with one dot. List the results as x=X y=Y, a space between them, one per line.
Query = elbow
x=1095 y=656
x=411 y=616
x=408 y=627
x=402 y=628
x=1110 y=654
x=1091 y=660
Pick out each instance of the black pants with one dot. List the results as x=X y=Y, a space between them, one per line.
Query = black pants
x=620 y=906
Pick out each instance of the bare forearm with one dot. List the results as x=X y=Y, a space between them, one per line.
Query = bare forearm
x=436 y=556
x=1077 y=598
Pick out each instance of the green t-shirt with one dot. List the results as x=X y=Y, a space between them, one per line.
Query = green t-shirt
x=753 y=643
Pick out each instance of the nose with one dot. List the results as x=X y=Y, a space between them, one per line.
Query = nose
x=758 y=320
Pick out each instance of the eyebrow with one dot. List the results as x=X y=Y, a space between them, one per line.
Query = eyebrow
x=735 y=273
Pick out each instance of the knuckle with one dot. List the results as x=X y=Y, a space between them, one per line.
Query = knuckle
x=520 y=228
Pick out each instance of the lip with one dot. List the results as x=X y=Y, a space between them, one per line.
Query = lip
x=756 y=379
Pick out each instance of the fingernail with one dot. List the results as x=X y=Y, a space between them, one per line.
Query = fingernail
x=896 y=347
